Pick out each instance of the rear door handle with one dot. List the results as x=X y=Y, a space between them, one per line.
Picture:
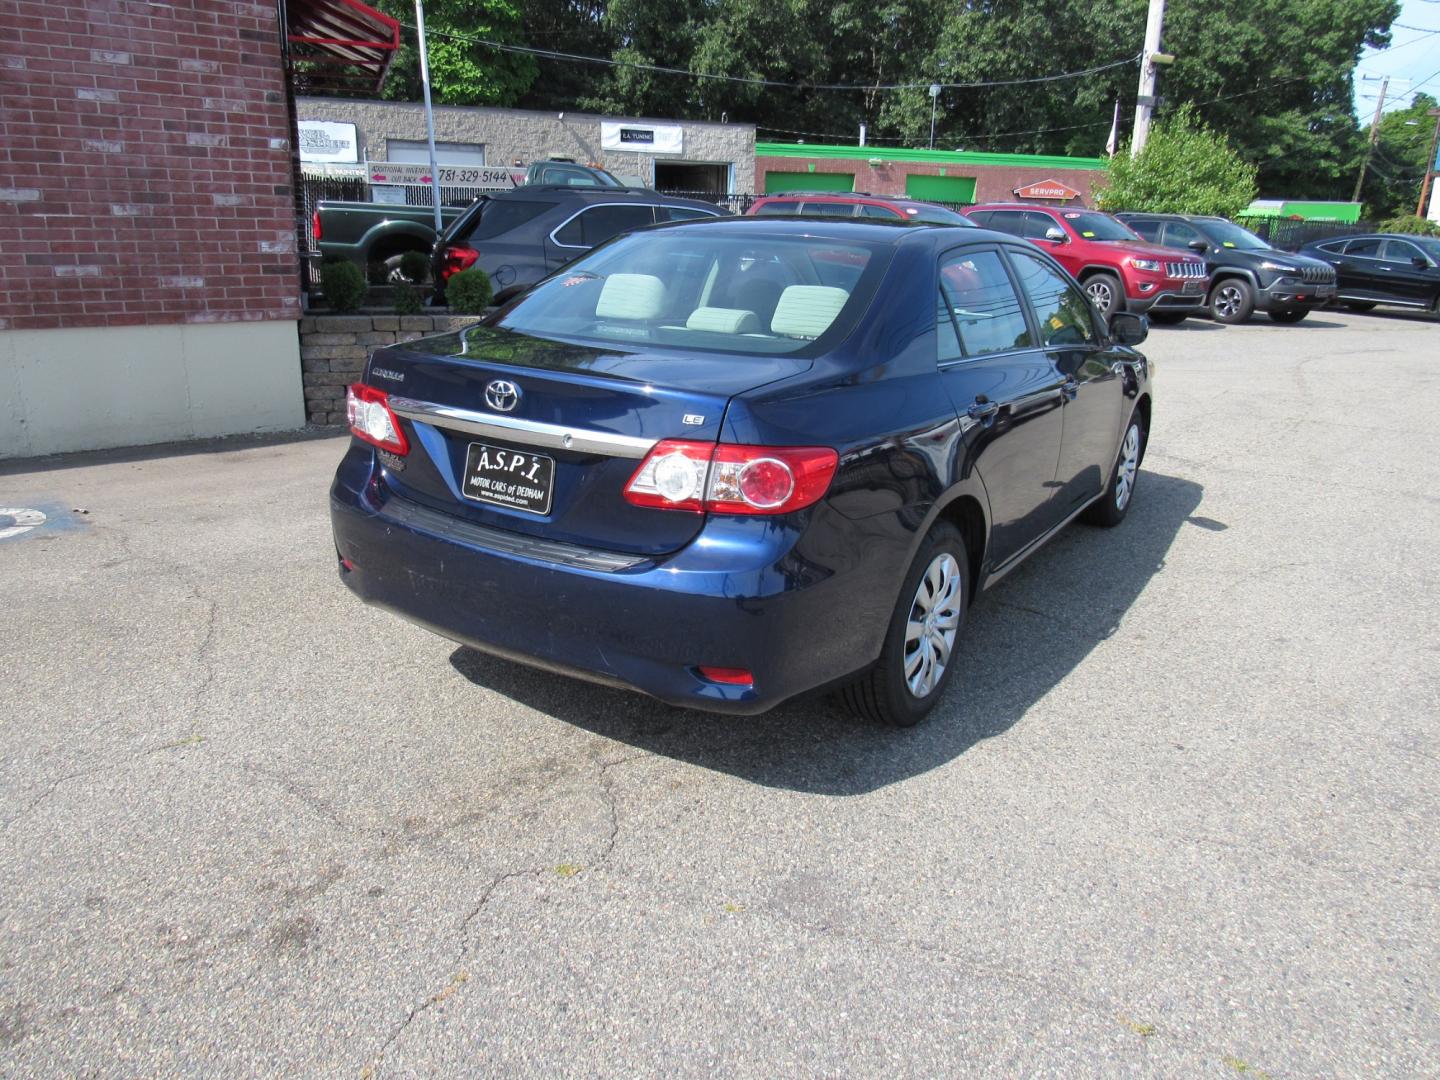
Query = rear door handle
x=983 y=409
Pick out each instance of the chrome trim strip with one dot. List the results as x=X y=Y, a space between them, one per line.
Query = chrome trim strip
x=527 y=432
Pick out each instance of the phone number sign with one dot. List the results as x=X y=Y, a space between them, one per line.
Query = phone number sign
x=471 y=176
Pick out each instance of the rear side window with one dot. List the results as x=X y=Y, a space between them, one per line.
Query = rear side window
x=1150 y=230
x=596 y=224
x=979 y=303
x=1062 y=313
x=1007 y=221
x=680 y=213
x=1369 y=247
x=499 y=216
x=772 y=208
x=1037 y=225
x=830 y=209
x=868 y=211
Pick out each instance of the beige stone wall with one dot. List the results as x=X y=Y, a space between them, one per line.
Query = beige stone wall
x=516 y=134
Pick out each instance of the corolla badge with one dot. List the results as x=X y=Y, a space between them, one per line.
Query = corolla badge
x=502 y=395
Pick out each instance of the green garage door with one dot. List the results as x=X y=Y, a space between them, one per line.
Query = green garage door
x=956 y=189
x=777 y=182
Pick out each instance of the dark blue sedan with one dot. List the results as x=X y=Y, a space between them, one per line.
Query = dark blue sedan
x=726 y=462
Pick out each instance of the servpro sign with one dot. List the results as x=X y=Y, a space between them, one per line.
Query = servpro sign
x=1047 y=189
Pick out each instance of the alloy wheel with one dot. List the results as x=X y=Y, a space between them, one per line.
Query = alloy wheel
x=1100 y=293
x=1129 y=463
x=1228 y=301
x=933 y=623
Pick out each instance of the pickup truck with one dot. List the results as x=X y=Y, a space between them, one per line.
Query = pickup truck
x=376 y=232
x=382 y=232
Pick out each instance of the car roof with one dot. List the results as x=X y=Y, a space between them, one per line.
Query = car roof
x=585 y=191
x=827 y=227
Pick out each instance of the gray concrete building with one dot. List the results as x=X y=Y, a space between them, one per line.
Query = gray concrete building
x=681 y=155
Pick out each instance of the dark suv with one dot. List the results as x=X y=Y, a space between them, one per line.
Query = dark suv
x=1246 y=273
x=519 y=236
x=858 y=204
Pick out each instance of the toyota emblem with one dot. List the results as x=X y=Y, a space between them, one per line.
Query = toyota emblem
x=502 y=395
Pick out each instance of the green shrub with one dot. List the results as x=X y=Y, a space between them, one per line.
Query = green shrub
x=1410 y=223
x=1185 y=168
x=376 y=272
x=407 y=299
x=343 y=285
x=469 y=292
x=415 y=266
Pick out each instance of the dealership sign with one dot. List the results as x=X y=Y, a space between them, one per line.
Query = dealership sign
x=642 y=138
x=488 y=177
x=321 y=140
x=1047 y=189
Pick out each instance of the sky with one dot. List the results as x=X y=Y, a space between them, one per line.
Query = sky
x=1412 y=61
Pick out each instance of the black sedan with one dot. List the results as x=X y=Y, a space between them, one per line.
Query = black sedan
x=1384 y=268
x=729 y=461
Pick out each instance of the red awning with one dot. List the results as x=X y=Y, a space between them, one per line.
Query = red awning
x=339 y=46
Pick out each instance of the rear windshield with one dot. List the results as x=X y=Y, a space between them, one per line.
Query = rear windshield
x=937 y=215
x=499 y=216
x=694 y=289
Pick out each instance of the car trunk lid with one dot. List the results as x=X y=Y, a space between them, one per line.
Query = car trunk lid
x=540 y=437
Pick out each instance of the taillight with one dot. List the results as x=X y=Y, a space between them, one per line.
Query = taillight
x=370 y=418
x=725 y=478
x=456 y=259
x=315 y=226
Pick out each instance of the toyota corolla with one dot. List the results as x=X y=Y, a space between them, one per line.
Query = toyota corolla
x=727 y=462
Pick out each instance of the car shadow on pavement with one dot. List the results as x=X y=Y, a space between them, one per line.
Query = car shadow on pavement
x=1022 y=638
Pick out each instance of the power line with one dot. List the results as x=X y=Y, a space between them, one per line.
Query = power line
x=551 y=54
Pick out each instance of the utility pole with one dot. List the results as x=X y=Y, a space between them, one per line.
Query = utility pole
x=934 y=97
x=1146 y=101
x=1430 y=170
x=1374 y=138
x=429 y=112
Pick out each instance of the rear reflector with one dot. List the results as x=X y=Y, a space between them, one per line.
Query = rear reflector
x=727 y=478
x=370 y=418
x=730 y=676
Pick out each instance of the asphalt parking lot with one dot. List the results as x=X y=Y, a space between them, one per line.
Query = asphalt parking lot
x=1177 y=817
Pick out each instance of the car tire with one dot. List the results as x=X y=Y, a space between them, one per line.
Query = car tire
x=1105 y=292
x=1110 y=509
x=901 y=687
x=1232 y=301
x=1359 y=305
x=1168 y=318
x=1287 y=318
x=395 y=274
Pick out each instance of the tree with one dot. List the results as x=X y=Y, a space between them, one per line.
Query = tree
x=1392 y=181
x=461 y=72
x=1185 y=168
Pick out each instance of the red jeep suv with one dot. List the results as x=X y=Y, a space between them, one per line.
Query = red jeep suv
x=1118 y=269
x=860 y=204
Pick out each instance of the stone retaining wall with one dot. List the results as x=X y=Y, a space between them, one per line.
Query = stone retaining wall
x=334 y=348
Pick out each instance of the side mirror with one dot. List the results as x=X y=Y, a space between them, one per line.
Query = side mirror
x=1198 y=245
x=1129 y=329
x=1055 y=234
x=1421 y=263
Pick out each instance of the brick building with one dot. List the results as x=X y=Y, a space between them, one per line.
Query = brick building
x=939 y=175
x=148 y=273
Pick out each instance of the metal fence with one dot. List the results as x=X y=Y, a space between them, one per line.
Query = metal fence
x=1288 y=235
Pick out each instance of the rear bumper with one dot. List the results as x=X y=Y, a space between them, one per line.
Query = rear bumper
x=742 y=595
